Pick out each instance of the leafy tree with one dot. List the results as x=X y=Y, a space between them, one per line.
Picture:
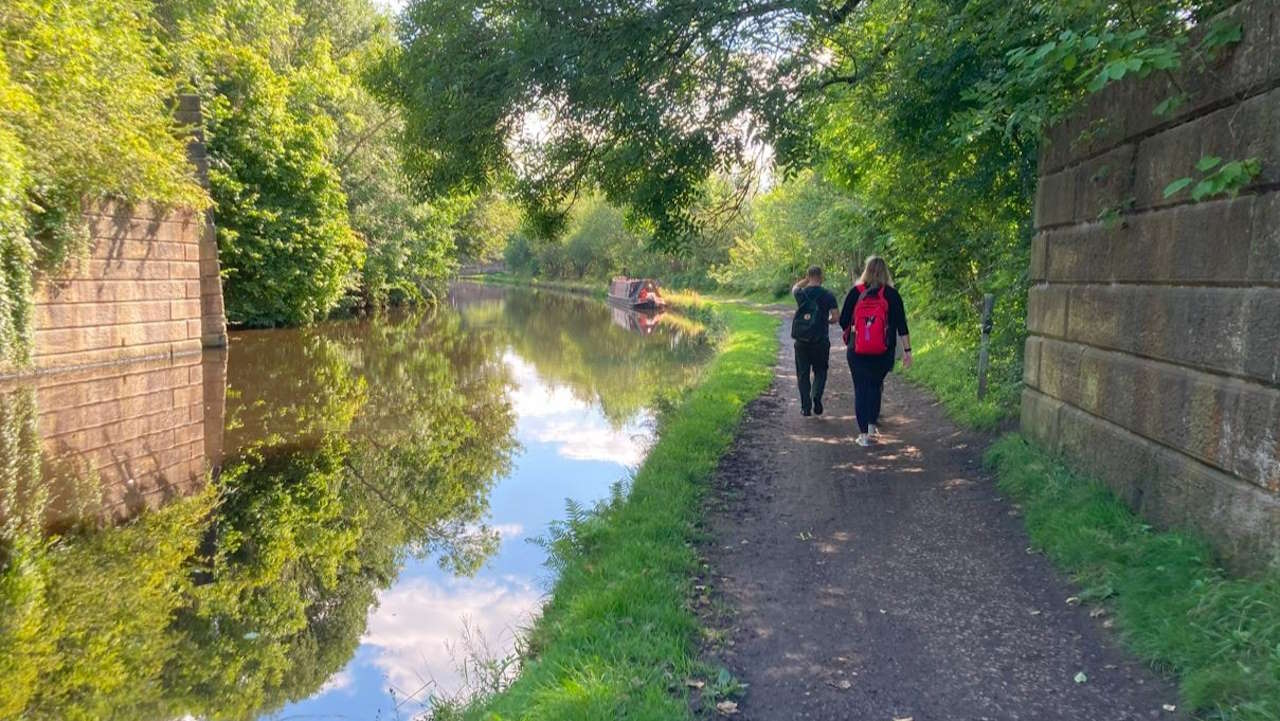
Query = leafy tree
x=803 y=221
x=287 y=250
x=481 y=234
x=640 y=100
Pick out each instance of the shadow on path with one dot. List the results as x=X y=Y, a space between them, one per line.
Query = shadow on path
x=894 y=582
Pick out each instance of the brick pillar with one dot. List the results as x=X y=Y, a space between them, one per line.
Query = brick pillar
x=213 y=318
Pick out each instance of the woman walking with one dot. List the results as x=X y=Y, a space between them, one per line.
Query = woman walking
x=873 y=319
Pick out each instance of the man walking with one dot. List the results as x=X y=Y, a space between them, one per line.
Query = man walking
x=815 y=311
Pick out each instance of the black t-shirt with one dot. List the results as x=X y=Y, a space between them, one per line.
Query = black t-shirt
x=825 y=299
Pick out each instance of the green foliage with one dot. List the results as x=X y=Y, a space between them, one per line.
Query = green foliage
x=640 y=101
x=16 y=254
x=84 y=113
x=1217 y=178
x=1172 y=604
x=617 y=631
x=803 y=221
x=482 y=233
x=287 y=250
x=947 y=364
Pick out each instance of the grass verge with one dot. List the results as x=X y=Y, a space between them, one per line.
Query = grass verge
x=949 y=369
x=588 y=288
x=617 y=637
x=1172 y=604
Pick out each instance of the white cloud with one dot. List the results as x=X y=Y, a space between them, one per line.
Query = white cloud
x=510 y=530
x=583 y=441
x=533 y=398
x=340 y=681
x=416 y=627
x=550 y=414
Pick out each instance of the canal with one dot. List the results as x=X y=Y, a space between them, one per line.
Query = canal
x=322 y=523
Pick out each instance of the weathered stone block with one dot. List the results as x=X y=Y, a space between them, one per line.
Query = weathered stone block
x=184 y=309
x=1039 y=256
x=1260 y=345
x=1031 y=362
x=1047 y=310
x=1239 y=132
x=1206 y=242
x=1060 y=370
x=136 y=250
x=1081 y=253
x=1264 y=251
x=1104 y=184
x=1055 y=199
x=1224 y=422
x=1242 y=521
x=1235 y=69
x=1217 y=329
x=1040 y=418
x=185 y=270
x=123 y=269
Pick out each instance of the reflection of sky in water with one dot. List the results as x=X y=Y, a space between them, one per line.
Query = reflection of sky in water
x=568 y=450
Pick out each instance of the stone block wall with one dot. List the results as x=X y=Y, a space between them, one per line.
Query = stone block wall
x=1154 y=351
x=114 y=439
x=149 y=286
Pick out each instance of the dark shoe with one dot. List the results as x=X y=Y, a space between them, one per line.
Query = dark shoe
x=804 y=412
x=817 y=407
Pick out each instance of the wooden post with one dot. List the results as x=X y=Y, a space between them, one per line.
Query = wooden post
x=984 y=356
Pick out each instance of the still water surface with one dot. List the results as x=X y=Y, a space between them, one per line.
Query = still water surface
x=376 y=484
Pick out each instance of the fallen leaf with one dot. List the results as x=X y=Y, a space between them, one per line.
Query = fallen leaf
x=1073 y=601
x=1099 y=611
x=1169 y=707
x=695 y=683
x=1108 y=623
x=728 y=708
x=904 y=718
x=1035 y=612
x=842 y=684
x=1081 y=677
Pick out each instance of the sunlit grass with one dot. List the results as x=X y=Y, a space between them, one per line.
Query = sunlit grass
x=617 y=637
x=1172 y=604
x=950 y=370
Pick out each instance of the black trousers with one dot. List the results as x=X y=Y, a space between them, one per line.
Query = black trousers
x=868 y=386
x=812 y=357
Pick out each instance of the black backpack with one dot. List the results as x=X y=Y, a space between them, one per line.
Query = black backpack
x=809 y=323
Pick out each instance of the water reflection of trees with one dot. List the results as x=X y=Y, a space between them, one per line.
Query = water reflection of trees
x=572 y=342
x=358 y=444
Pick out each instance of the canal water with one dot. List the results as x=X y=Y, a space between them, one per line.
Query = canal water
x=330 y=523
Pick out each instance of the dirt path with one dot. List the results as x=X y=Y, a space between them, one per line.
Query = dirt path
x=894 y=582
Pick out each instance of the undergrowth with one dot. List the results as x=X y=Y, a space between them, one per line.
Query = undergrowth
x=949 y=369
x=617 y=637
x=1172 y=603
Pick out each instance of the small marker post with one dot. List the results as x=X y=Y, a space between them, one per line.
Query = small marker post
x=984 y=354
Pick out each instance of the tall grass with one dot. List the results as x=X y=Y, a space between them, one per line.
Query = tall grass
x=1172 y=604
x=948 y=367
x=617 y=637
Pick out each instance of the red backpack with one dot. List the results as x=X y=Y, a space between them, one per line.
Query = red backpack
x=870 y=328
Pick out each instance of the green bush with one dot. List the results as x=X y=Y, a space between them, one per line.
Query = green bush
x=287 y=249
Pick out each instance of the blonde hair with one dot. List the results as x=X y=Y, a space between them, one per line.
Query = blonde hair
x=876 y=273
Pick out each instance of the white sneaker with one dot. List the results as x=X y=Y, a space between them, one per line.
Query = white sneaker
x=863 y=440
x=873 y=431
